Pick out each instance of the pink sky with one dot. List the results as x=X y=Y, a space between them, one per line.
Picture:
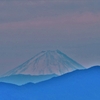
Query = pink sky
x=28 y=27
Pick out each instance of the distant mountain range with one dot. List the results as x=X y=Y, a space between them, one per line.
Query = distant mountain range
x=24 y=79
x=43 y=66
x=77 y=85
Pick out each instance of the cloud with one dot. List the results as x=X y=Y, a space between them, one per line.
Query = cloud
x=74 y=19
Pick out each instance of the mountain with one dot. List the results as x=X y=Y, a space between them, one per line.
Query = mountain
x=43 y=66
x=24 y=79
x=46 y=63
x=77 y=85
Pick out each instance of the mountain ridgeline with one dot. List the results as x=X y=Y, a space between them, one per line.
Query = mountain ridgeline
x=77 y=85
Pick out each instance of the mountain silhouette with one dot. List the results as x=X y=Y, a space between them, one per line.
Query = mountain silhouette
x=77 y=85
x=43 y=66
x=24 y=79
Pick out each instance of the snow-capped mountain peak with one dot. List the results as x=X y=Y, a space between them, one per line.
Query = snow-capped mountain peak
x=45 y=63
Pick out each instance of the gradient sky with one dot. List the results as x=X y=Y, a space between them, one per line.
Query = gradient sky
x=29 y=26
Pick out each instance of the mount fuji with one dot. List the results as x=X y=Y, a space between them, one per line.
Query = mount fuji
x=43 y=66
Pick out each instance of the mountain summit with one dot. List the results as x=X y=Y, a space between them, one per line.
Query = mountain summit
x=46 y=63
x=43 y=66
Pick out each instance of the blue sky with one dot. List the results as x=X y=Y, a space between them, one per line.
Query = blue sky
x=30 y=26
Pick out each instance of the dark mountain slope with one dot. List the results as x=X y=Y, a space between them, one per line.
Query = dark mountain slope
x=78 y=85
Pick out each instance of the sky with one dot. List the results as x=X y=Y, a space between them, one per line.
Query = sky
x=28 y=27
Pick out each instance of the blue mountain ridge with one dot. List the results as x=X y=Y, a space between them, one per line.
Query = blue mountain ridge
x=24 y=79
x=77 y=85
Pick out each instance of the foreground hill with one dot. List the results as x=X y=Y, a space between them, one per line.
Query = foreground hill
x=78 y=85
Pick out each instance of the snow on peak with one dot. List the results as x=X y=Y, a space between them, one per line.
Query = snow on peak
x=45 y=63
